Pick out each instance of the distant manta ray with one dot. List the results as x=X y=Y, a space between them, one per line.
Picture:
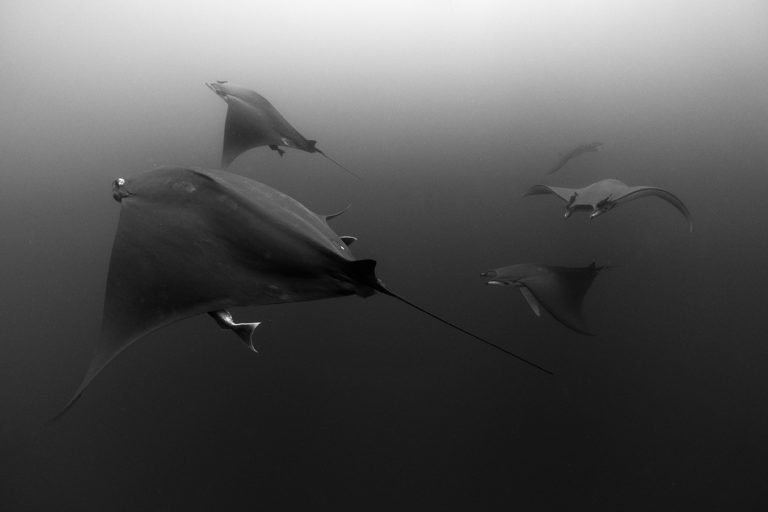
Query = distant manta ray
x=575 y=152
x=559 y=290
x=603 y=196
x=193 y=241
x=252 y=122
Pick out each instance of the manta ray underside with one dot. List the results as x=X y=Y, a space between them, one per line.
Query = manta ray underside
x=559 y=290
x=193 y=241
x=252 y=121
x=605 y=195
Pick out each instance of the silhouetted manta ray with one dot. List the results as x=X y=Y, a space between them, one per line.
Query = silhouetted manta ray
x=252 y=121
x=559 y=290
x=193 y=241
x=577 y=151
x=605 y=195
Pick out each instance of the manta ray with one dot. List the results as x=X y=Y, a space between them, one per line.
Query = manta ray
x=252 y=122
x=575 y=152
x=192 y=241
x=603 y=196
x=559 y=290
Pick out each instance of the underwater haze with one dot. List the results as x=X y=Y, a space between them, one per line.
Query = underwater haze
x=449 y=111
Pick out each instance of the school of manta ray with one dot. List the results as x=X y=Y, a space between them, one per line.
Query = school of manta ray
x=193 y=241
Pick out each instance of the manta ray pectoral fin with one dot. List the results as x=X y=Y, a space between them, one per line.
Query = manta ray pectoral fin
x=244 y=331
x=637 y=192
x=563 y=193
x=561 y=293
x=529 y=297
x=538 y=189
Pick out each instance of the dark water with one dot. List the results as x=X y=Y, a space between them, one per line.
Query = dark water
x=450 y=111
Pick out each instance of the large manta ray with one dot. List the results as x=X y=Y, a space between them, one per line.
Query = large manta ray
x=192 y=241
x=252 y=122
x=603 y=196
x=577 y=151
x=559 y=290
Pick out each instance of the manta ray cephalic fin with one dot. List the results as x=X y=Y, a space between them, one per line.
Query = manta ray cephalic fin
x=531 y=299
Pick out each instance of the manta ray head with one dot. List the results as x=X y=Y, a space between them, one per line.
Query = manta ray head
x=508 y=278
x=119 y=191
x=602 y=206
x=219 y=87
x=491 y=274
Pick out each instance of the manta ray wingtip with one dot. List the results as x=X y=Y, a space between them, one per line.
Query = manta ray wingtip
x=582 y=330
x=64 y=411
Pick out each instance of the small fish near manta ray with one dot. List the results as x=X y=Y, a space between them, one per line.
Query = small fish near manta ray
x=603 y=196
x=193 y=241
x=252 y=121
x=559 y=290
x=575 y=152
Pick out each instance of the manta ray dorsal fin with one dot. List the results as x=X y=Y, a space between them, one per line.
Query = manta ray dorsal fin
x=561 y=292
x=336 y=214
x=531 y=299
x=348 y=240
x=641 y=191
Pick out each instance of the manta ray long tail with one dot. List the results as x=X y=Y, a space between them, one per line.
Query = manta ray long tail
x=339 y=165
x=382 y=289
